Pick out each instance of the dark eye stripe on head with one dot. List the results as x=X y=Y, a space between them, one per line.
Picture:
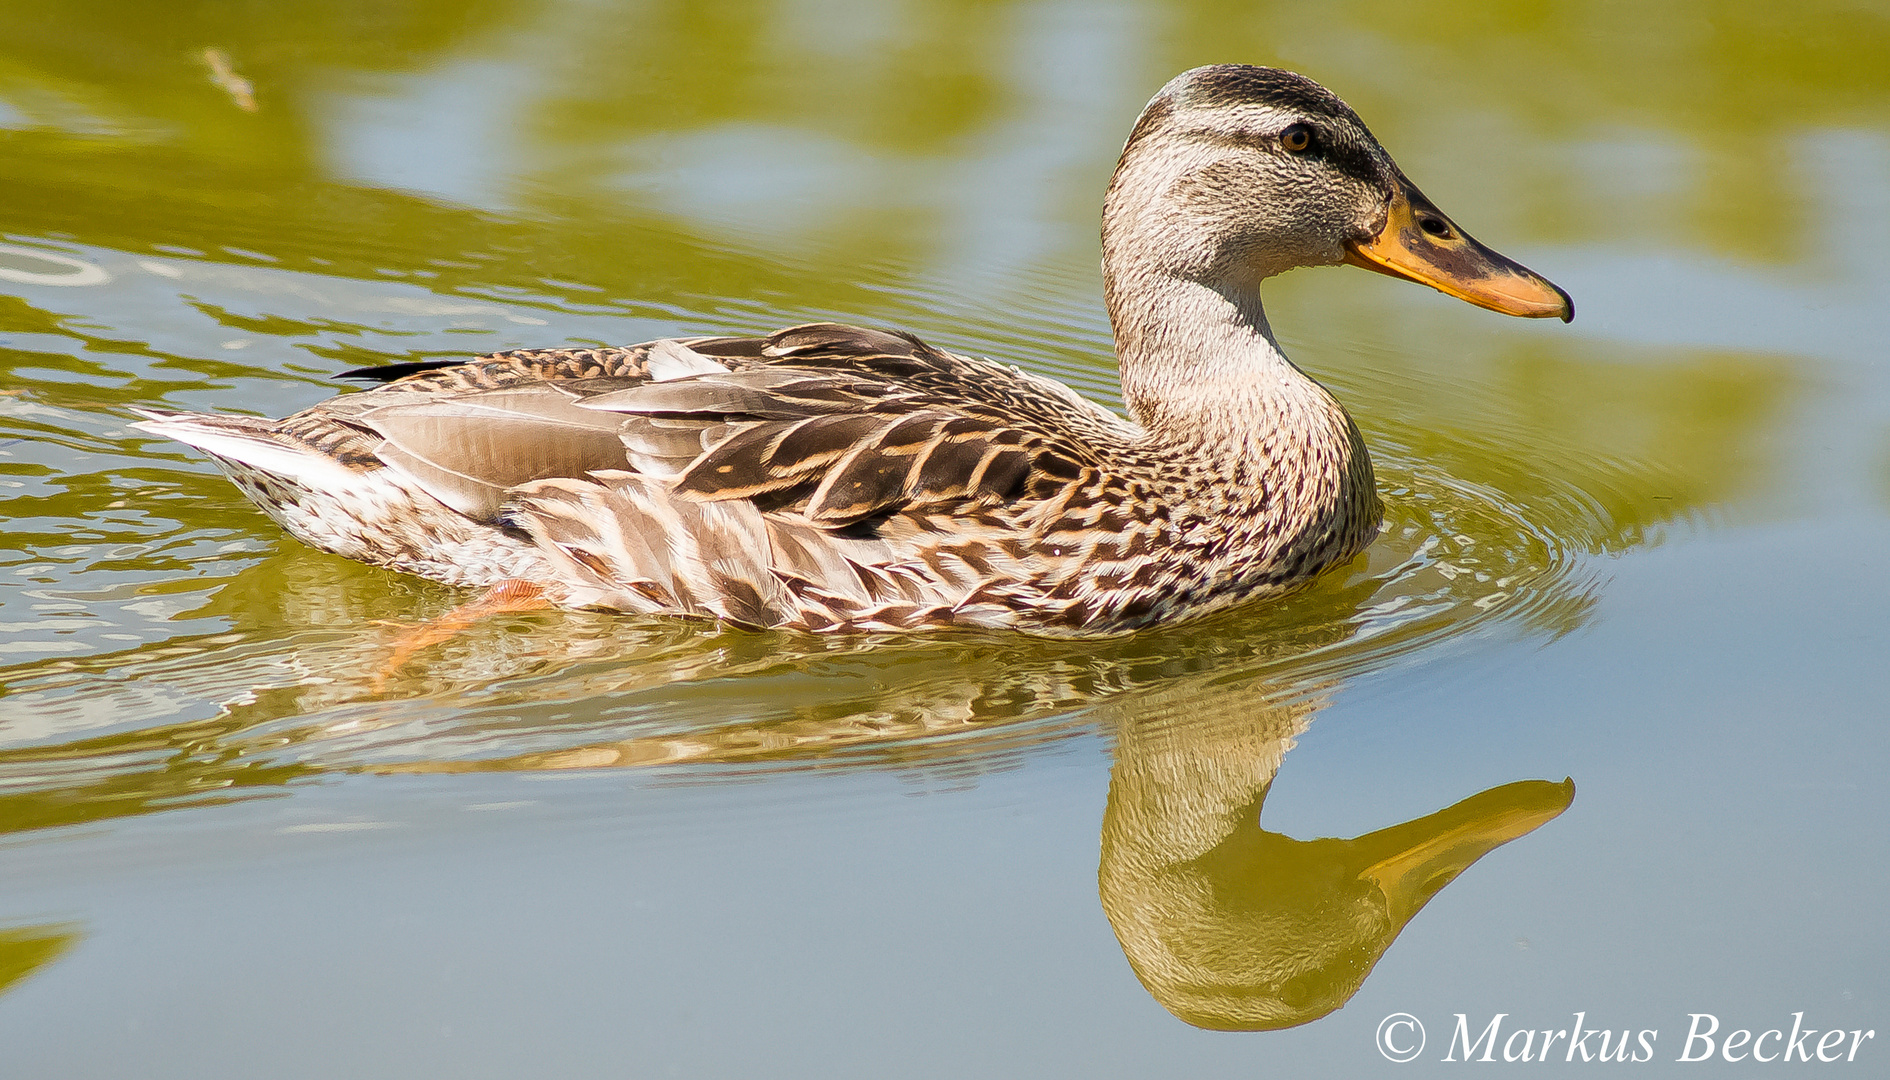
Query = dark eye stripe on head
x=1341 y=155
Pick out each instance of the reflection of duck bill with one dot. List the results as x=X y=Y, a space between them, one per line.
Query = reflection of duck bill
x=1420 y=857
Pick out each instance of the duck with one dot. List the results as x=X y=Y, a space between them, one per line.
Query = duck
x=830 y=478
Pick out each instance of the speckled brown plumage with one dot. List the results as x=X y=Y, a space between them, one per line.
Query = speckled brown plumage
x=829 y=477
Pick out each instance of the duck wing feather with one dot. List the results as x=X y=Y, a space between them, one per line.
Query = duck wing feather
x=839 y=425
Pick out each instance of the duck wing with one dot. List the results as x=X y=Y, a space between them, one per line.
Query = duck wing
x=839 y=425
x=820 y=477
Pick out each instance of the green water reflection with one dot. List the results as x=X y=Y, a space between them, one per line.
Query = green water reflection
x=1228 y=925
x=1237 y=928
x=432 y=179
x=26 y=949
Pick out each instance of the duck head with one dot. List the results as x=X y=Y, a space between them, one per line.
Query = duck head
x=1236 y=173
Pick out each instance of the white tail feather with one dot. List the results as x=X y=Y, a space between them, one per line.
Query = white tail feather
x=232 y=439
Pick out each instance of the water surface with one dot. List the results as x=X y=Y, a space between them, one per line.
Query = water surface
x=1643 y=551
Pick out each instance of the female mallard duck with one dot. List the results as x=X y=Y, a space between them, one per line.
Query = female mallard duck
x=829 y=478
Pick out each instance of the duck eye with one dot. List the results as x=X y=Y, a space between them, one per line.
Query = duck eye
x=1297 y=138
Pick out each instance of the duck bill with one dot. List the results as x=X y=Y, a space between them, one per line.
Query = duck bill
x=1415 y=860
x=1418 y=243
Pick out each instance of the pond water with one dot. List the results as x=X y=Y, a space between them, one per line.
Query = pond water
x=1645 y=552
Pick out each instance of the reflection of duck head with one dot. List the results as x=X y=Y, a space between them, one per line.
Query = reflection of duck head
x=1233 y=927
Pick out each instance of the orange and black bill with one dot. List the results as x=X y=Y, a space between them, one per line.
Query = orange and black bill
x=1418 y=243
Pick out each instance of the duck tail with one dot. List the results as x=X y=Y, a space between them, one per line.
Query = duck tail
x=249 y=444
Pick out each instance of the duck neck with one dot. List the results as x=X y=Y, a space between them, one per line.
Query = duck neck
x=1238 y=435
x=1201 y=369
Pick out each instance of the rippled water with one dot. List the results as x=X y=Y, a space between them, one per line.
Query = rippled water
x=290 y=651
x=1642 y=551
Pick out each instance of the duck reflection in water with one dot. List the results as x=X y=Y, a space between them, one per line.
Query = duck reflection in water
x=1228 y=925
x=1233 y=927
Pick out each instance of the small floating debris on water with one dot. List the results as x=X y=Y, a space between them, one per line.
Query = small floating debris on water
x=223 y=73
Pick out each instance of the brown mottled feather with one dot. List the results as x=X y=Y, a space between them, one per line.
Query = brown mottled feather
x=822 y=477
